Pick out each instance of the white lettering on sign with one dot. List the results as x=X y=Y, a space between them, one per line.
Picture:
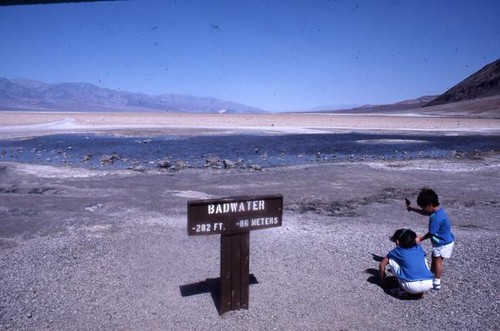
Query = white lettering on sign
x=243 y=223
x=236 y=207
x=264 y=221
x=208 y=227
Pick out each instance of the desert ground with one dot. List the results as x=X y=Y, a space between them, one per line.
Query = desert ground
x=84 y=249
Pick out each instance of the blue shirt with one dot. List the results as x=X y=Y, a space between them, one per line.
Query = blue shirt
x=440 y=228
x=411 y=262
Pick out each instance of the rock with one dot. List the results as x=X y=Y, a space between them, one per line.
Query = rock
x=86 y=157
x=228 y=164
x=213 y=162
x=139 y=168
x=94 y=207
x=255 y=167
x=164 y=164
x=106 y=158
x=180 y=164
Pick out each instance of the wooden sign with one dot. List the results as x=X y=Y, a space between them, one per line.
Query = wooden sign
x=234 y=215
x=234 y=218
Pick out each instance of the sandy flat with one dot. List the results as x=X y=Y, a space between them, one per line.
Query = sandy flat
x=18 y=124
x=83 y=251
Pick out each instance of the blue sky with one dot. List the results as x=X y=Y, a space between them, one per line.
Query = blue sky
x=275 y=55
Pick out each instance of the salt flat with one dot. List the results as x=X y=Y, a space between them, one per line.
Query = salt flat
x=18 y=124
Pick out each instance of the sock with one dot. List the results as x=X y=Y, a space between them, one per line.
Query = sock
x=436 y=281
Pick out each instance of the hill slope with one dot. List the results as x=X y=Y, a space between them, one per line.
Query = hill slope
x=483 y=83
x=476 y=96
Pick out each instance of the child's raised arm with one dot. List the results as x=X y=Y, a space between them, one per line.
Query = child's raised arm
x=416 y=210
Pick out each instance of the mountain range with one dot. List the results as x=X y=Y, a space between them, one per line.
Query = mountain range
x=477 y=95
x=26 y=94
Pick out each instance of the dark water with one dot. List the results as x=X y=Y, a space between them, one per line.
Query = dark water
x=96 y=151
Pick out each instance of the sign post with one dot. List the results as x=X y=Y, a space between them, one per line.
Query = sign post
x=234 y=218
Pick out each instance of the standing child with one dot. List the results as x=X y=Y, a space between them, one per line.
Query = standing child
x=442 y=238
x=408 y=264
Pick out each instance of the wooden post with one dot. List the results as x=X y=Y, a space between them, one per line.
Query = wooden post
x=233 y=218
x=234 y=272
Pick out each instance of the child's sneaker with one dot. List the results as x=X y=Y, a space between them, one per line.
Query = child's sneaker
x=436 y=287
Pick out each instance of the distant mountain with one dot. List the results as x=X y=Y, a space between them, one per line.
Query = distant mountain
x=25 y=94
x=483 y=83
x=397 y=107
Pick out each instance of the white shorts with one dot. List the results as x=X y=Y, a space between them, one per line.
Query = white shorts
x=419 y=286
x=443 y=251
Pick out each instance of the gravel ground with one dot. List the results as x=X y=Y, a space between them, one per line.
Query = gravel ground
x=86 y=250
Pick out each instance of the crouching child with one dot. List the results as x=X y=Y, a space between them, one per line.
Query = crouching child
x=407 y=262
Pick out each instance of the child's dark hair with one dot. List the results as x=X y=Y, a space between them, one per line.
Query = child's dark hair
x=406 y=237
x=427 y=197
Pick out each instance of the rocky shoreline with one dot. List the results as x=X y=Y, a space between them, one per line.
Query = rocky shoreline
x=252 y=152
